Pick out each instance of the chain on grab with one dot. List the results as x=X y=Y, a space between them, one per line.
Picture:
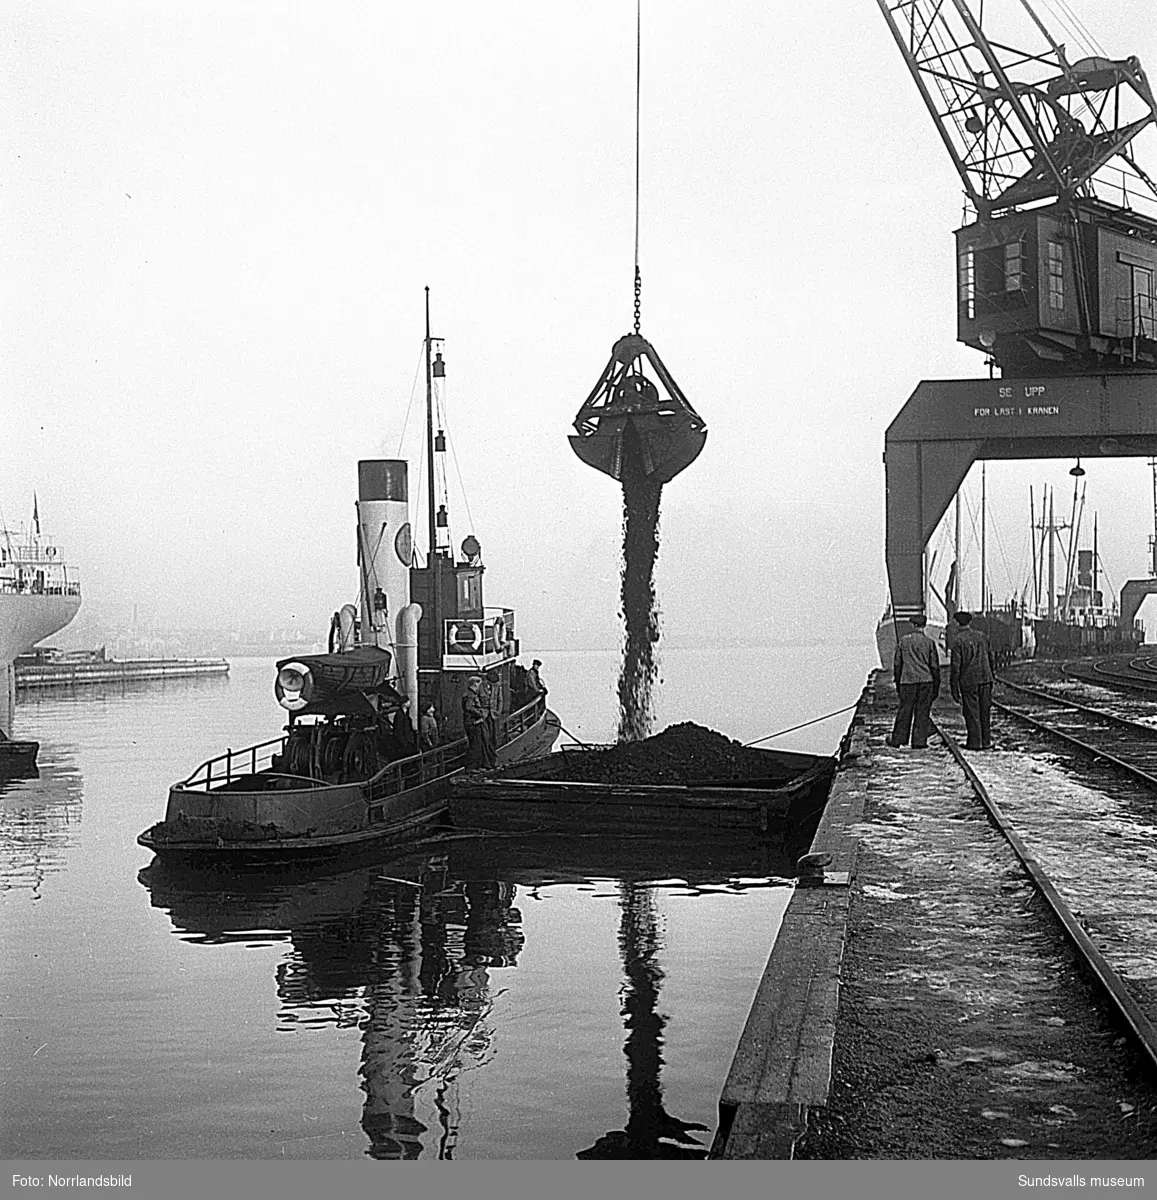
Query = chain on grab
x=638 y=298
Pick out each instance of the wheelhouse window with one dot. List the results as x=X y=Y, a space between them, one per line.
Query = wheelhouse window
x=1056 y=276
x=469 y=592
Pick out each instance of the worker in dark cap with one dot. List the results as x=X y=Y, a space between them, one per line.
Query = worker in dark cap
x=476 y=721
x=916 y=671
x=405 y=739
x=971 y=678
x=534 y=679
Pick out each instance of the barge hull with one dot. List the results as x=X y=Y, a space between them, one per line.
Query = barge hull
x=64 y=674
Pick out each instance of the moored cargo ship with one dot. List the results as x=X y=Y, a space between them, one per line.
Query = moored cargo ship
x=39 y=595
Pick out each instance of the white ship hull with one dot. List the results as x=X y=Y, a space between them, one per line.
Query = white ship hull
x=28 y=618
x=25 y=619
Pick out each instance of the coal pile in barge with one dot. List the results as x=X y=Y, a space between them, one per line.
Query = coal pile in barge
x=684 y=754
x=687 y=777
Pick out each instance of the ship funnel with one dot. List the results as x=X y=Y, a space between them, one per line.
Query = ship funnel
x=385 y=547
x=636 y=393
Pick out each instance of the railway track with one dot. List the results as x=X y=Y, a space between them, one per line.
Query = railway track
x=1128 y=744
x=1086 y=851
x=1137 y=673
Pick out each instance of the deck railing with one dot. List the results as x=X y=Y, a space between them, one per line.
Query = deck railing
x=233 y=764
x=405 y=773
x=518 y=722
x=396 y=776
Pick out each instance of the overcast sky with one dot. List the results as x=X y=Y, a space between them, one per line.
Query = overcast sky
x=219 y=219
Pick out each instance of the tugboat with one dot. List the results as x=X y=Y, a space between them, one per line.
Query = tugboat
x=348 y=769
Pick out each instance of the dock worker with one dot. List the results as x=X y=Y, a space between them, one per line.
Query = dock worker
x=405 y=740
x=971 y=678
x=427 y=729
x=491 y=697
x=475 y=720
x=916 y=671
x=538 y=688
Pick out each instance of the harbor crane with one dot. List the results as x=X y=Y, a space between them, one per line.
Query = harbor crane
x=1055 y=270
x=1056 y=259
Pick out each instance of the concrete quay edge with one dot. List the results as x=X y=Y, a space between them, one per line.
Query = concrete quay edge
x=783 y=1062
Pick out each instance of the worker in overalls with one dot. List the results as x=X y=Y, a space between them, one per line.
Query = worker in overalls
x=916 y=671
x=971 y=679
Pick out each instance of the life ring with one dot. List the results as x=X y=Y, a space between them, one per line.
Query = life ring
x=460 y=642
x=293 y=686
x=499 y=634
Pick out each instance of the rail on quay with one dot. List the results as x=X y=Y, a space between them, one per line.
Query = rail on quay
x=784 y=1061
x=1111 y=984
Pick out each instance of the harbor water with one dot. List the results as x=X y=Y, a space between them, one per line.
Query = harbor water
x=464 y=998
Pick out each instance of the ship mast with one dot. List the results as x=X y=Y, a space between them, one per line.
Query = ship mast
x=984 y=537
x=1052 y=560
x=958 y=599
x=1153 y=539
x=433 y=559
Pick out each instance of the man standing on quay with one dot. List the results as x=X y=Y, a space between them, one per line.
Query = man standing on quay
x=973 y=670
x=916 y=670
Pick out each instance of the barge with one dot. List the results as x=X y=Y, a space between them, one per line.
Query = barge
x=687 y=778
x=49 y=668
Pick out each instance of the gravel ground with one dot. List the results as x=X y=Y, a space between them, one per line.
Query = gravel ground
x=965 y=1027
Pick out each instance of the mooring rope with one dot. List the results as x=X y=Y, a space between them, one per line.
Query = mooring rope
x=813 y=721
x=572 y=737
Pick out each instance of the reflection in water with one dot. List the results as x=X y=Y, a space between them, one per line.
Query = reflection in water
x=650 y=1130
x=39 y=819
x=416 y=956
x=404 y=952
x=85 y=694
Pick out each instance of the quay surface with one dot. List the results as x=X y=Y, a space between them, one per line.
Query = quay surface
x=129 y=670
x=921 y=1000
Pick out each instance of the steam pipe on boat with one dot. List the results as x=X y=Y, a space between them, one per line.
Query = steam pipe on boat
x=347 y=624
x=407 y=654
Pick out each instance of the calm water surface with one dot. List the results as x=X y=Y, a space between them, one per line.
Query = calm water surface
x=492 y=998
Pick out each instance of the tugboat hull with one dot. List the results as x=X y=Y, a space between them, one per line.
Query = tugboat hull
x=264 y=815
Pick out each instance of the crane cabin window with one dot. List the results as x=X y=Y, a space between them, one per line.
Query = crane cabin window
x=966 y=269
x=1142 y=301
x=1013 y=267
x=1056 y=276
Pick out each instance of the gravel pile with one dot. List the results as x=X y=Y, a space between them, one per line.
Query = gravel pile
x=681 y=754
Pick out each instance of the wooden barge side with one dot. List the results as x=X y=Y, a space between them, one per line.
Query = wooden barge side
x=505 y=804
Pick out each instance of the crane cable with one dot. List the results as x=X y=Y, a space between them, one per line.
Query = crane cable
x=638 y=96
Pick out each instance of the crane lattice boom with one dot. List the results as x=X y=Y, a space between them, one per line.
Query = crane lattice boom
x=1024 y=125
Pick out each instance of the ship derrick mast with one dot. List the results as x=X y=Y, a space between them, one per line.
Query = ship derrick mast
x=1057 y=259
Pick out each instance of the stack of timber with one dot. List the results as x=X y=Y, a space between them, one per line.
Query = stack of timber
x=685 y=777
